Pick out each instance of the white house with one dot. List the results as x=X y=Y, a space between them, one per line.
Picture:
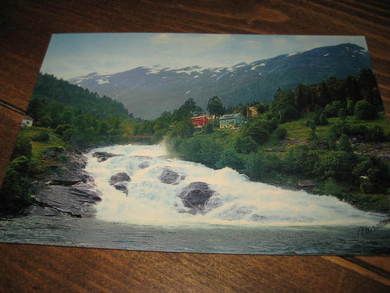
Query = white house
x=27 y=121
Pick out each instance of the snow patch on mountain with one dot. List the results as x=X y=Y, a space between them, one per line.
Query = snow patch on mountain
x=102 y=81
x=257 y=65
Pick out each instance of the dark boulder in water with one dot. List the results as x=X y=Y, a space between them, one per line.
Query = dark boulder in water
x=122 y=186
x=103 y=156
x=143 y=165
x=169 y=176
x=119 y=177
x=195 y=196
x=119 y=181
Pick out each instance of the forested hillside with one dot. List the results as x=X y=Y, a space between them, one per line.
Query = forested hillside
x=80 y=117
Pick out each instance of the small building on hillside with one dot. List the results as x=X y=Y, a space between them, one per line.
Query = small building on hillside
x=252 y=112
x=27 y=121
x=231 y=120
x=200 y=121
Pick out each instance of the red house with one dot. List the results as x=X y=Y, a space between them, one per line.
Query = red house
x=200 y=121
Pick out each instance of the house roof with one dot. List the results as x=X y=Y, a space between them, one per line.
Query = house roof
x=231 y=116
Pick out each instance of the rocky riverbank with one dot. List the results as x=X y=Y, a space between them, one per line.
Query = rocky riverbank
x=66 y=190
x=70 y=191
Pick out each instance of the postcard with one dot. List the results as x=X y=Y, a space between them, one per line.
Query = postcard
x=211 y=143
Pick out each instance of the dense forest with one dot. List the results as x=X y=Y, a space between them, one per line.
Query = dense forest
x=81 y=118
x=326 y=132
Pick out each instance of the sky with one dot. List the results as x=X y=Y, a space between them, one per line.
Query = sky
x=70 y=55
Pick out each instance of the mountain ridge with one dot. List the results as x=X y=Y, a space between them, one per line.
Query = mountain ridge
x=148 y=91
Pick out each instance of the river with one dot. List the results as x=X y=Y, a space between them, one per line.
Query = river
x=242 y=217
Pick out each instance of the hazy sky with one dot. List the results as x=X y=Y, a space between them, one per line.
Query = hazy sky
x=71 y=55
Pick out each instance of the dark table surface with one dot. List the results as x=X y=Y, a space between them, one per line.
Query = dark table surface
x=25 y=28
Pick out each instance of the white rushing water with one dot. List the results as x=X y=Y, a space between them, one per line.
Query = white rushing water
x=240 y=201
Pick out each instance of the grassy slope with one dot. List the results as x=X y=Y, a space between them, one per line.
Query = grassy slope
x=298 y=133
x=39 y=148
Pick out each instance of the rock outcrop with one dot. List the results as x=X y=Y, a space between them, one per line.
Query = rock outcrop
x=103 y=156
x=70 y=172
x=65 y=200
x=68 y=189
x=195 y=196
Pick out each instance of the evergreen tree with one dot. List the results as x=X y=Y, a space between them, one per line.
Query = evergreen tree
x=215 y=106
x=344 y=144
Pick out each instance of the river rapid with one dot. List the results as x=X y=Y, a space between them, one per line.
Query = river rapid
x=239 y=201
x=241 y=217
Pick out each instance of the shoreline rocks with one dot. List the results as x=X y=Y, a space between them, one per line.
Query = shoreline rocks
x=103 y=156
x=68 y=190
x=306 y=184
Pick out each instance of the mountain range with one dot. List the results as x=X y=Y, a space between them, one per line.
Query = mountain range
x=148 y=91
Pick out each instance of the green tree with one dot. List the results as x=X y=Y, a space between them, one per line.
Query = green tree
x=344 y=144
x=283 y=106
x=186 y=110
x=215 y=106
x=302 y=160
x=182 y=129
x=229 y=158
x=364 y=110
x=280 y=133
x=245 y=144
x=351 y=88
x=323 y=97
x=257 y=130
x=303 y=97
x=313 y=138
x=15 y=192
x=332 y=109
x=368 y=88
x=260 y=166
x=22 y=147
x=350 y=106
x=201 y=149
x=337 y=165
